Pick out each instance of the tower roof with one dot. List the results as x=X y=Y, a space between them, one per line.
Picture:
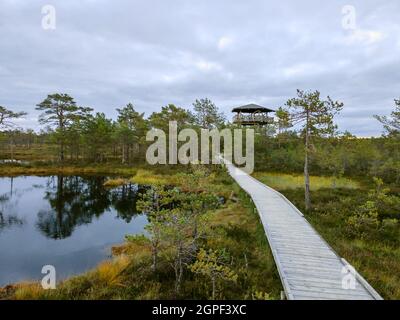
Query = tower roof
x=252 y=107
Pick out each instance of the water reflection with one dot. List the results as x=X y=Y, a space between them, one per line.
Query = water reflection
x=77 y=200
x=63 y=220
x=8 y=220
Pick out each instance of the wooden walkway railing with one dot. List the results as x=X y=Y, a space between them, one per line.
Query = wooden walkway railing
x=308 y=267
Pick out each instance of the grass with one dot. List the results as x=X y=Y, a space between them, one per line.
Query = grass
x=45 y=169
x=150 y=177
x=115 y=182
x=293 y=181
x=34 y=152
x=245 y=239
x=141 y=174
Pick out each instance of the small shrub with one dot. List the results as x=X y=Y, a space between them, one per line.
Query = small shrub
x=369 y=217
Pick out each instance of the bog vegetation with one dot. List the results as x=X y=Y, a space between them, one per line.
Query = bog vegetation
x=201 y=226
x=204 y=241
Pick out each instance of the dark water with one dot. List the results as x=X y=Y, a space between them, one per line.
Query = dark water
x=68 y=222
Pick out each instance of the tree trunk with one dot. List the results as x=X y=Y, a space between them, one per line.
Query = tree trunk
x=123 y=153
x=155 y=255
x=61 y=137
x=306 y=173
x=178 y=271
x=62 y=151
x=195 y=236
x=12 y=151
x=213 y=287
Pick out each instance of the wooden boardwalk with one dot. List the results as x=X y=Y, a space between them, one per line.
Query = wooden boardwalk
x=308 y=267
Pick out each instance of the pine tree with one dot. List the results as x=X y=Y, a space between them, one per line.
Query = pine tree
x=315 y=116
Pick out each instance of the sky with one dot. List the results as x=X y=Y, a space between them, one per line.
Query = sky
x=154 y=52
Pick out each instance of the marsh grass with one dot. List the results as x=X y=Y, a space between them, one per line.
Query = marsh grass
x=282 y=181
x=115 y=182
x=29 y=291
x=244 y=236
x=151 y=177
x=35 y=152
x=46 y=169
x=110 y=272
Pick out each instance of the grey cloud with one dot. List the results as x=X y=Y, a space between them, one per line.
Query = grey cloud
x=107 y=53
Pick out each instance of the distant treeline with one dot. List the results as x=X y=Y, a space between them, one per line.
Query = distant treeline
x=74 y=133
x=303 y=127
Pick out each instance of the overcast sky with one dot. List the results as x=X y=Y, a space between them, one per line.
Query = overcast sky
x=151 y=53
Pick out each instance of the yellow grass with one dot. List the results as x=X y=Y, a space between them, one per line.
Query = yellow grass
x=58 y=169
x=282 y=181
x=109 y=271
x=28 y=291
x=144 y=176
x=112 y=183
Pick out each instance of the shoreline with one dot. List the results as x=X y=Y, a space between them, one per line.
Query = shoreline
x=116 y=250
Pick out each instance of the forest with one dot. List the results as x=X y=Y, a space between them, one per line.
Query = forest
x=202 y=226
x=77 y=135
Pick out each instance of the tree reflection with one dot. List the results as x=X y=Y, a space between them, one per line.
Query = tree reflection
x=75 y=201
x=124 y=200
x=8 y=220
